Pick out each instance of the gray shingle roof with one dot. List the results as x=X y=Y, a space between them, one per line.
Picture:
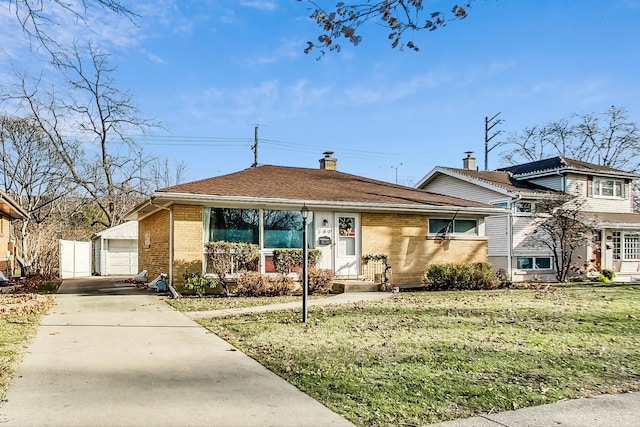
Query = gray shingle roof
x=502 y=179
x=558 y=162
x=280 y=182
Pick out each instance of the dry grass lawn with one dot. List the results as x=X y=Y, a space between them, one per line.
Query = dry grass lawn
x=418 y=358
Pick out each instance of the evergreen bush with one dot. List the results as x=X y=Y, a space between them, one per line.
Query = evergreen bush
x=460 y=276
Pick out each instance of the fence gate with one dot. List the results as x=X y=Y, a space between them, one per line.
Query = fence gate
x=75 y=259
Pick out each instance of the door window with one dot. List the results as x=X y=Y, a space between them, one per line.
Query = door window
x=347 y=236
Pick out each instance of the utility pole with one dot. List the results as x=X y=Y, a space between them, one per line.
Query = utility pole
x=254 y=147
x=396 y=168
x=490 y=123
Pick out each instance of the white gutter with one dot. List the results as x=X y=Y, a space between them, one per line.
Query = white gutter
x=510 y=238
x=13 y=204
x=320 y=204
x=555 y=171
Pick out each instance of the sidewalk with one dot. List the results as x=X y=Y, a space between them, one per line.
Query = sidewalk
x=125 y=358
x=621 y=410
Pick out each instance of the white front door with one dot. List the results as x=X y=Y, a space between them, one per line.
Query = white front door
x=347 y=226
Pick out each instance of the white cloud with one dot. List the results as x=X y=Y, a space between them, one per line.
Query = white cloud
x=287 y=49
x=260 y=5
x=395 y=90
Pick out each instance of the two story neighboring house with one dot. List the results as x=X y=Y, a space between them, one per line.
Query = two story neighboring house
x=608 y=201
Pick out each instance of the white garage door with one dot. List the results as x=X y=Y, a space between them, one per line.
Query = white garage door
x=122 y=257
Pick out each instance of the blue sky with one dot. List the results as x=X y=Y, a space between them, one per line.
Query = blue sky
x=209 y=71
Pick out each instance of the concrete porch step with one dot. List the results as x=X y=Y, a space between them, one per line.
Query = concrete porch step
x=347 y=286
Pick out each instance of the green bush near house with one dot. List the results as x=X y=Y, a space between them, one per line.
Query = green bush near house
x=460 y=276
x=609 y=274
x=199 y=284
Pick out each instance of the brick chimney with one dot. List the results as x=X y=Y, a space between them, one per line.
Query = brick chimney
x=469 y=162
x=328 y=162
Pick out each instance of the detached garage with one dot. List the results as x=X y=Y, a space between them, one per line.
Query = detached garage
x=116 y=250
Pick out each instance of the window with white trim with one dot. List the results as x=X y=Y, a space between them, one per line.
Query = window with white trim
x=616 y=245
x=631 y=247
x=524 y=207
x=533 y=263
x=606 y=187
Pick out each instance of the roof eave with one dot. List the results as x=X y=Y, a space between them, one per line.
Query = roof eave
x=167 y=198
x=466 y=178
x=15 y=211
x=564 y=170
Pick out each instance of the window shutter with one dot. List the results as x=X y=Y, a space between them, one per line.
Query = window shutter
x=589 y=185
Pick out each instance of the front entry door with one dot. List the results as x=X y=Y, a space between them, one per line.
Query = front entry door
x=348 y=244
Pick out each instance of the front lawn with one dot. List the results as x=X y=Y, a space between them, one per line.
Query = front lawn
x=19 y=319
x=418 y=358
x=223 y=303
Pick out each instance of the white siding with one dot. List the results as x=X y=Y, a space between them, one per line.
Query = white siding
x=116 y=250
x=553 y=182
x=97 y=256
x=577 y=185
x=444 y=184
x=523 y=226
x=497 y=230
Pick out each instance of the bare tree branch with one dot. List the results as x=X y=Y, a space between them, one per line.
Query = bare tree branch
x=398 y=16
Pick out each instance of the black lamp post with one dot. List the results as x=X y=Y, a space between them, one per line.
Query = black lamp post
x=305 y=275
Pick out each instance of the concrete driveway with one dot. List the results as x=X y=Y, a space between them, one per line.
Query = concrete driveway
x=113 y=356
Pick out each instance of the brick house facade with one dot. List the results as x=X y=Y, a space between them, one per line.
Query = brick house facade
x=10 y=210
x=351 y=216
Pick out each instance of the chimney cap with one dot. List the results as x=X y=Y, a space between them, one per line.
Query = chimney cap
x=468 y=153
x=328 y=162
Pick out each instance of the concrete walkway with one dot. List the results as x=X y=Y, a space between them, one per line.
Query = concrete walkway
x=109 y=356
x=620 y=410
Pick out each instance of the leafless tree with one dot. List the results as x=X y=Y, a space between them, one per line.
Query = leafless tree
x=38 y=18
x=163 y=174
x=607 y=139
x=36 y=178
x=559 y=225
x=89 y=127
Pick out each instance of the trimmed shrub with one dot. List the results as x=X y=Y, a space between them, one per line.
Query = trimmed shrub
x=224 y=258
x=254 y=284
x=320 y=281
x=458 y=276
x=251 y=284
x=281 y=285
x=290 y=260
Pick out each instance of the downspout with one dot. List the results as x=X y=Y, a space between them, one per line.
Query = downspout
x=510 y=237
x=170 y=241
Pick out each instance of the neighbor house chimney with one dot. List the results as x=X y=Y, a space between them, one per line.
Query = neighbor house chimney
x=327 y=162
x=469 y=162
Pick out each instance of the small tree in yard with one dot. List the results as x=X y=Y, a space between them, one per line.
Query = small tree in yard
x=561 y=226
